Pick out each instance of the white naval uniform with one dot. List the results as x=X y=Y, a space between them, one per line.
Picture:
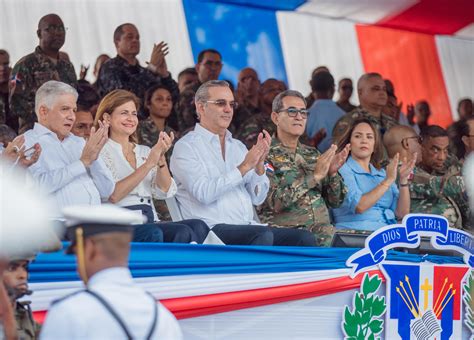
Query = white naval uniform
x=82 y=316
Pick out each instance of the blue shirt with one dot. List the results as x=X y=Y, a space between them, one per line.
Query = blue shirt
x=324 y=113
x=360 y=182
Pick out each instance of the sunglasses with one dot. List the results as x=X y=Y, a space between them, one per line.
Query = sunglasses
x=223 y=103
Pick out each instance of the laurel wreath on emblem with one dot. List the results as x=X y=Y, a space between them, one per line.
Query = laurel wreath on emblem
x=363 y=322
x=469 y=301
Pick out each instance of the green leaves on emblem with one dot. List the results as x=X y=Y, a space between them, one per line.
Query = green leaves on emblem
x=362 y=322
x=469 y=302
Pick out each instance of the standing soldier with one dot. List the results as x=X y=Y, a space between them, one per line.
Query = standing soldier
x=304 y=183
x=15 y=279
x=35 y=69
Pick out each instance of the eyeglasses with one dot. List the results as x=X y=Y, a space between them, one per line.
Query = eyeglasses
x=56 y=28
x=223 y=103
x=293 y=112
x=347 y=87
x=418 y=139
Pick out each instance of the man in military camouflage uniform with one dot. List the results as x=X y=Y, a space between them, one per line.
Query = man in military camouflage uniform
x=4 y=77
x=372 y=97
x=124 y=71
x=35 y=69
x=15 y=279
x=434 y=189
x=248 y=130
x=304 y=183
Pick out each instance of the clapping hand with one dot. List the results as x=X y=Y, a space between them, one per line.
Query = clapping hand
x=95 y=143
x=338 y=160
x=157 y=60
x=391 y=170
x=323 y=163
x=163 y=144
x=406 y=168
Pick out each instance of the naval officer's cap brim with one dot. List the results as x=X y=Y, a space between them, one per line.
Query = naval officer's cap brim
x=98 y=219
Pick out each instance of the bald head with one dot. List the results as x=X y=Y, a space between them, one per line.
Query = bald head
x=402 y=139
x=51 y=33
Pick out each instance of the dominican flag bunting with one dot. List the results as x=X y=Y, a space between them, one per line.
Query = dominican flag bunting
x=244 y=292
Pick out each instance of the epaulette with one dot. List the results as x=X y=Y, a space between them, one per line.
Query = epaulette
x=66 y=297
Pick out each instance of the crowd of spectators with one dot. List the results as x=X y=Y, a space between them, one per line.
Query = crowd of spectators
x=260 y=164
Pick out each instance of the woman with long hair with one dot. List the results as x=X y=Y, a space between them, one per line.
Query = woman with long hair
x=141 y=173
x=373 y=198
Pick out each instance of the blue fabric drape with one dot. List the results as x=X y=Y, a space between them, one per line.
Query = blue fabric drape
x=154 y=259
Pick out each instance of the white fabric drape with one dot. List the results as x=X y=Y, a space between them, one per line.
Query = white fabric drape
x=91 y=25
x=456 y=58
x=308 y=41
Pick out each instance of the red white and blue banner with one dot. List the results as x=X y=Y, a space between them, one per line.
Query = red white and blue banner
x=238 y=292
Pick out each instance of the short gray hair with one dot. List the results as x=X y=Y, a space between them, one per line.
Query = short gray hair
x=47 y=93
x=202 y=94
x=277 y=104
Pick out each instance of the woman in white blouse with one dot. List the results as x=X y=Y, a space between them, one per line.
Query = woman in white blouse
x=141 y=173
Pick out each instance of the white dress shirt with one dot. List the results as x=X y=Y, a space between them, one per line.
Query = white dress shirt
x=210 y=188
x=60 y=172
x=114 y=159
x=82 y=316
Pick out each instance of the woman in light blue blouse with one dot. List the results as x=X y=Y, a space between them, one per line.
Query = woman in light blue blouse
x=373 y=200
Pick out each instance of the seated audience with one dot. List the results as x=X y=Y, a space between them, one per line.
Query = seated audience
x=310 y=99
x=141 y=173
x=247 y=96
x=187 y=77
x=429 y=193
x=345 y=89
x=372 y=93
x=69 y=168
x=303 y=183
x=373 y=199
x=83 y=124
x=461 y=138
x=261 y=120
x=324 y=113
x=158 y=107
x=219 y=180
x=15 y=280
x=7 y=135
x=125 y=72
x=465 y=109
x=421 y=116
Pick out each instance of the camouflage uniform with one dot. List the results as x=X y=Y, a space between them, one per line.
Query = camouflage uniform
x=27 y=327
x=250 y=129
x=383 y=124
x=117 y=73
x=29 y=73
x=295 y=199
x=441 y=195
x=3 y=108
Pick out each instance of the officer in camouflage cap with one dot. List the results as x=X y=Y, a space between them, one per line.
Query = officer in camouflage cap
x=372 y=97
x=304 y=183
x=35 y=69
x=431 y=193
